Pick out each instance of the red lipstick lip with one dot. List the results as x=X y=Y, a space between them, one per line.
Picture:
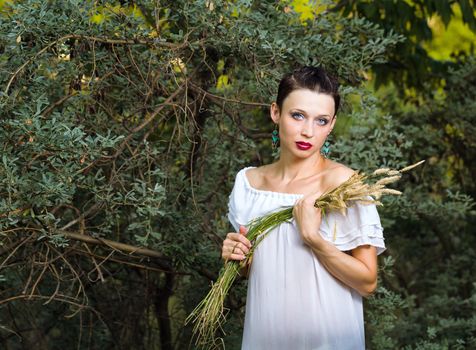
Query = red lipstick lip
x=303 y=145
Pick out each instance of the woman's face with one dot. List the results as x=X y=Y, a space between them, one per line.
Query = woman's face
x=305 y=120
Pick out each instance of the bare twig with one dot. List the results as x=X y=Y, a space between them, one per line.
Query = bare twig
x=51 y=107
x=216 y=98
x=127 y=248
x=149 y=42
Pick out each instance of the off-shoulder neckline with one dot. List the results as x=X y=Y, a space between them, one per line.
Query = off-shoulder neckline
x=265 y=192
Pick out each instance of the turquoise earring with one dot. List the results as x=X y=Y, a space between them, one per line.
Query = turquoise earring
x=275 y=137
x=326 y=149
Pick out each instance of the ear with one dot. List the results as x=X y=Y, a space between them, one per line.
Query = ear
x=274 y=112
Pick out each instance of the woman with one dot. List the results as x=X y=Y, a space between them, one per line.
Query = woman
x=308 y=276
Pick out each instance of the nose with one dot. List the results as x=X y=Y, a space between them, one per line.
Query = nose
x=307 y=129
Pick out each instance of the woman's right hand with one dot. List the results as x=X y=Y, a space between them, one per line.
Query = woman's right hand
x=236 y=245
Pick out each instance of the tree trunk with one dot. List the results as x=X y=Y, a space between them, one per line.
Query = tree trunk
x=162 y=310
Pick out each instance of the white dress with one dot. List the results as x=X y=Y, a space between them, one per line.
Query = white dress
x=293 y=302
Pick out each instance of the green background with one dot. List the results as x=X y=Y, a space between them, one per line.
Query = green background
x=125 y=122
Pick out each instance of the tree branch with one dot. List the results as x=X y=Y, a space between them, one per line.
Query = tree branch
x=125 y=248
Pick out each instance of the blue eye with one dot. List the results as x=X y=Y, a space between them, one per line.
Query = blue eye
x=322 y=121
x=297 y=116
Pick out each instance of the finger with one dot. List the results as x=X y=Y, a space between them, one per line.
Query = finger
x=298 y=202
x=243 y=230
x=238 y=237
x=236 y=248
x=237 y=256
x=296 y=208
x=233 y=256
x=315 y=197
x=240 y=248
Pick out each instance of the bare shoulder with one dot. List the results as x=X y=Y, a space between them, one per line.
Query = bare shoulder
x=255 y=175
x=337 y=174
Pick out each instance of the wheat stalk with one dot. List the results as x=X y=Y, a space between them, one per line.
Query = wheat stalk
x=360 y=187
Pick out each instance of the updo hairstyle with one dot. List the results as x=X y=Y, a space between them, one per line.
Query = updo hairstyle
x=311 y=78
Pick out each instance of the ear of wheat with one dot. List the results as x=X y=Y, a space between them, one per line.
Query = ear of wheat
x=359 y=188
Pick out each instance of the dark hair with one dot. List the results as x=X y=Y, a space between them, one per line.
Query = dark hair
x=312 y=78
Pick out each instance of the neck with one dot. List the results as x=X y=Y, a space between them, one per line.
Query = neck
x=290 y=168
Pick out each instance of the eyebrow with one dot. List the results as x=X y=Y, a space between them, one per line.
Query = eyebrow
x=304 y=112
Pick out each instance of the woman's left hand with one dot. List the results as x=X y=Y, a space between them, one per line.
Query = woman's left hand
x=358 y=270
x=308 y=219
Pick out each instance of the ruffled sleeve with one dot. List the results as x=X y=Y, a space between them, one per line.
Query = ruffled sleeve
x=360 y=226
x=236 y=201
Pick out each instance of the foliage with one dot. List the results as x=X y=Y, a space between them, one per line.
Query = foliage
x=122 y=125
x=412 y=64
